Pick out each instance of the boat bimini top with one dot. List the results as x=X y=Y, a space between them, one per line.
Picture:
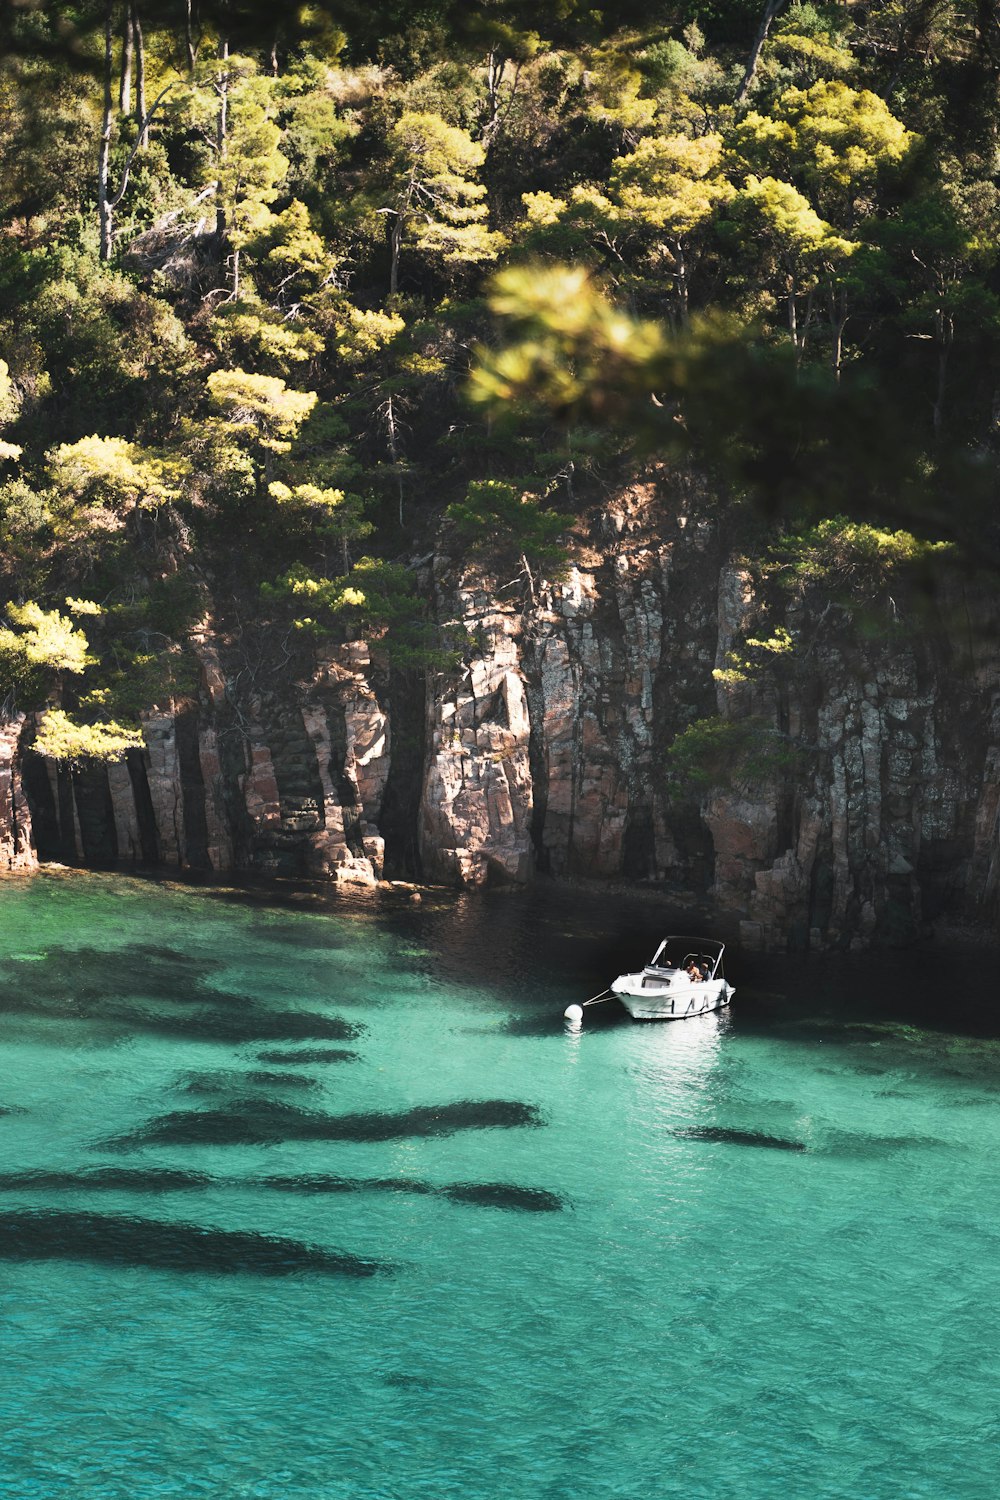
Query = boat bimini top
x=678 y=953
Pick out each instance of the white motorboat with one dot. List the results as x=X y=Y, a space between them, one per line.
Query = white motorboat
x=683 y=978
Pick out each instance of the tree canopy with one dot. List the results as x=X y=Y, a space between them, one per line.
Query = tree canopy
x=280 y=286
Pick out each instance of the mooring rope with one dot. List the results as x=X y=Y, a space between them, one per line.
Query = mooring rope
x=595 y=999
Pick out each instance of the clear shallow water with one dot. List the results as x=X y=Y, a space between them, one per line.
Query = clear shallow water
x=455 y=1251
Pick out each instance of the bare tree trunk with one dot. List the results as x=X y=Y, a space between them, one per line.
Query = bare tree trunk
x=125 y=80
x=396 y=240
x=140 y=77
x=221 y=135
x=771 y=9
x=390 y=424
x=495 y=65
x=192 y=51
x=945 y=334
x=838 y=322
x=683 y=278
x=104 y=208
x=528 y=578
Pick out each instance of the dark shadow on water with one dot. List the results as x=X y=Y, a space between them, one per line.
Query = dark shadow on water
x=262 y=1078
x=530 y=1026
x=549 y=1023
x=504 y=1195
x=309 y=1055
x=157 y=953
x=320 y=1184
x=849 y=1143
x=111 y=1239
x=725 y=1136
x=137 y=970
x=105 y=1179
x=309 y=933
x=252 y=1122
x=211 y=1085
x=275 y=1026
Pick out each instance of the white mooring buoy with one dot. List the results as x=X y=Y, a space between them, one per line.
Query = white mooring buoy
x=573 y=1014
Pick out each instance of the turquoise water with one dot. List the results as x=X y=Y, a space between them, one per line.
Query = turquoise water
x=329 y=1206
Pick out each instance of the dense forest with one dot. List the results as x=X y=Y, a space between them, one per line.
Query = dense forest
x=288 y=303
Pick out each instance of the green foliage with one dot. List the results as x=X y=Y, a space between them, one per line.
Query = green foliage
x=501 y=523
x=717 y=754
x=327 y=512
x=247 y=331
x=839 y=555
x=112 y=473
x=746 y=665
x=798 y=298
x=9 y=407
x=260 y=406
x=570 y=348
x=61 y=739
x=836 y=140
x=131 y=682
x=45 y=644
x=433 y=198
x=24 y=517
x=377 y=601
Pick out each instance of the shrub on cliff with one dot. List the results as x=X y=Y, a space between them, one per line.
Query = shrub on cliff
x=715 y=754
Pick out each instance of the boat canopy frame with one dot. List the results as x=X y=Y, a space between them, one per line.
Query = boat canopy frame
x=701 y=949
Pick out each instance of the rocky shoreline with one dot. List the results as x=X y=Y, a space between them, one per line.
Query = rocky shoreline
x=545 y=753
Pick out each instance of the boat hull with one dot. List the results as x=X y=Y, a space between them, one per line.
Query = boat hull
x=673 y=1002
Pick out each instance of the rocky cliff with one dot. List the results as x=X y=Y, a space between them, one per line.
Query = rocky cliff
x=545 y=752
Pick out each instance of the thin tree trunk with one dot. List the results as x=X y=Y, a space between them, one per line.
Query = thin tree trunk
x=495 y=66
x=945 y=330
x=221 y=136
x=771 y=9
x=683 y=277
x=125 y=80
x=140 y=77
x=531 y=582
x=396 y=241
x=390 y=423
x=192 y=54
x=104 y=209
x=838 y=322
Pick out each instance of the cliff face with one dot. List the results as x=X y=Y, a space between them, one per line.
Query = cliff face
x=16 y=847
x=546 y=753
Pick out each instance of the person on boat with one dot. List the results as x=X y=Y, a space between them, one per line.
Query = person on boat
x=694 y=973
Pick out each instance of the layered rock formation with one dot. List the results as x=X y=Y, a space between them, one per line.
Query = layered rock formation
x=290 y=782
x=545 y=753
x=17 y=851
